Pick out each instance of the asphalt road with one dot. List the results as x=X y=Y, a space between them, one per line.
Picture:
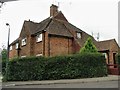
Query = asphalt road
x=105 y=84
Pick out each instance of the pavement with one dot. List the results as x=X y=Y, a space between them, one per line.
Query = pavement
x=63 y=81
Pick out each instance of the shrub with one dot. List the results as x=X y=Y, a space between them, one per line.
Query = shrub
x=59 y=67
x=4 y=54
x=23 y=69
x=3 y=67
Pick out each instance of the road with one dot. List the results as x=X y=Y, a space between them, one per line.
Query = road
x=101 y=84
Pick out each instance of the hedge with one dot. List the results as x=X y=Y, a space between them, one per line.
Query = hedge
x=59 y=67
x=3 y=67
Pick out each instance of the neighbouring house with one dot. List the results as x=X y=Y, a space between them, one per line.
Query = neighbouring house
x=56 y=36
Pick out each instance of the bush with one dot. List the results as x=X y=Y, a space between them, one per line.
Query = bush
x=23 y=69
x=3 y=67
x=59 y=67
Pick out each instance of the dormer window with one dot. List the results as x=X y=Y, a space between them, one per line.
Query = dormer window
x=24 y=41
x=16 y=46
x=10 y=48
x=79 y=35
x=39 y=37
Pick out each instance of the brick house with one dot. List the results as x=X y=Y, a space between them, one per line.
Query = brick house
x=56 y=36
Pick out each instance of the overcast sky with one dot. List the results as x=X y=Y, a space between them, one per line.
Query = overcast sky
x=89 y=15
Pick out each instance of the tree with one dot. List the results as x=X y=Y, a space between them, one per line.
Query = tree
x=89 y=47
x=4 y=54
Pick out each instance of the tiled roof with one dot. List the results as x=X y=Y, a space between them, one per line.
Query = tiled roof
x=72 y=27
x=52 y=25
x=60 y=16
x=58 y=28
x=37 y=27
x=106 y=44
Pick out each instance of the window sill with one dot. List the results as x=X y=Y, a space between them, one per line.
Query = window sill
x=38 y=41
x=23 y=45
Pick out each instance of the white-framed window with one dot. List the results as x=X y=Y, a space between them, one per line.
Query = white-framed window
x=39 y=37
x=105 y=54
x=24 y=41
x=10 y=48
x=23 y=56
x=79 y=35
x=39 y=55
x=16 y=46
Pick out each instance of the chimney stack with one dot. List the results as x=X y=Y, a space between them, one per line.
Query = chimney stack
x=53 y=10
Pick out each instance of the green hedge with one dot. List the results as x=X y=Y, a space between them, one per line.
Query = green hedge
x=3 y=67
x=59 y=67
x=23 y=69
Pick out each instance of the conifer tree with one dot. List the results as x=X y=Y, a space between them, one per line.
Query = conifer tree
x=89 y=47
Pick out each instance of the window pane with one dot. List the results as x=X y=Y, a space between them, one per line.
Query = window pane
x=16 y=45
x=39 y=38
x=10 y=47
x=24 y=41
x=78 y=35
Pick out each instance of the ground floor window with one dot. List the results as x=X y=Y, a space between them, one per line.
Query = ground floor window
x=105 y=54
x=23 y=56
x=39 y=55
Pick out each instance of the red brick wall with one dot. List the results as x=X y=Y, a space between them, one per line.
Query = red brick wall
x=60 y=46
x=46 y=44
x=32 y=45
x=25 y=50
x=38 y=47
x=49 y=46
x=76 y=47
x=113 y=49
x=13 y=52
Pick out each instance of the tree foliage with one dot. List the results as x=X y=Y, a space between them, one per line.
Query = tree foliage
x=4 y=54
x=89 y=47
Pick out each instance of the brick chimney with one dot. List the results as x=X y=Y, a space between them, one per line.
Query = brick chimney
x=53 y=10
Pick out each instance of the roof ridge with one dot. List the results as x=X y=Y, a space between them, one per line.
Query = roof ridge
x=107 y=40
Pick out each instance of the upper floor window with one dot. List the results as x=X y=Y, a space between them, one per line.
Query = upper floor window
x=79 y=35
x=39 y=37
x=24 y=41
x=10 y=48
x=16 y=45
